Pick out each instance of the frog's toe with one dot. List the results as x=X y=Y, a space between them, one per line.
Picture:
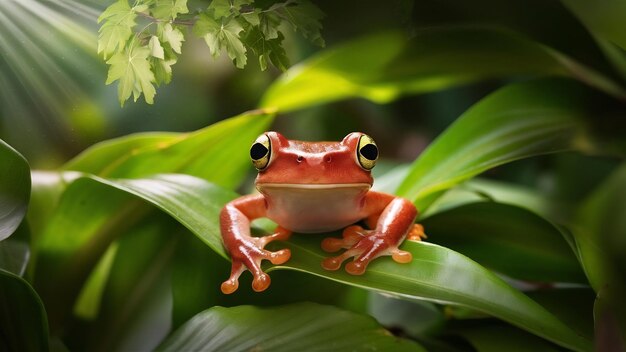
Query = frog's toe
x=416 y=233
x=350 y=236
x=261 y=282
x=229 y=286
x=279 y=257
x=400 y=256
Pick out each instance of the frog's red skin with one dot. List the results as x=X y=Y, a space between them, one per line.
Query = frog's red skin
x=316 y=187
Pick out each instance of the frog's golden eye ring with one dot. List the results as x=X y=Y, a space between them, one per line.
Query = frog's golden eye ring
x=367 y=152
x=260 y=152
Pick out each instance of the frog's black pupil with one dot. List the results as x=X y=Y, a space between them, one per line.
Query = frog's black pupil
x=258 y=151
x=370 y=152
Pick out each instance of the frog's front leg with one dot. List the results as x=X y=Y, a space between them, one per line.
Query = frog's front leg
x=395 y=222
x=247 y=251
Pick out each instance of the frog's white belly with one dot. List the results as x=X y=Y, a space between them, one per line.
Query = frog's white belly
x=314 y=208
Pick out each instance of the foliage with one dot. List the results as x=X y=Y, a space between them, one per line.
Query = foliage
x=140 y=59
x=120 y=247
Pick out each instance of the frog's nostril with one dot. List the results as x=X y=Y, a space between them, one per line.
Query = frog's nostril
x=299 y=158
x=328 y=159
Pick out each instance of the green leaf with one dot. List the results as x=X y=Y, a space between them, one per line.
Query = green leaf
x=515 y=122
x=305 y=18
x=22 y=316
x=383 y=67
x=14 y=189
x=604 y=19
x=220 y=8
x=218 y=153
x=495 y=338
x=119 y=20
x=267 y=50
x=169 y=9
x=104 y=154
x=298 y=327
x=600 y=232
x=441 y=275
x=136 y=301
x=155 y=47
x=15 y=251
x=508 y=240
x=436 y=273
x=131 y=67
x=174 y=37
x=222 y=36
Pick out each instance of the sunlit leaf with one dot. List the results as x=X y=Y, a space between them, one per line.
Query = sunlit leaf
x=218 y=153
x=22 y=316
x=14 y=189
x=169 y=9
x=117 y=29
x=515 y=122
x=298 y=327
x=220 y=36
x=383 y=67
x=131 y=67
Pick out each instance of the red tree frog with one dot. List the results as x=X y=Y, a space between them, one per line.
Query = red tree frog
x=310 y=187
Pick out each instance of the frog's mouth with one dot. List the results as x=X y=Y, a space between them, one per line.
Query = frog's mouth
x=316 y=186
x=312 y=186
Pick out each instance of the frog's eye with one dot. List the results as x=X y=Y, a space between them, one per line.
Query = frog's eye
x=260 y=152
x=367 y=152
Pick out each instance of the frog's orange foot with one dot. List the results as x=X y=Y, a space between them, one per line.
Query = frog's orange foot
x=416 y=233
x=248 y=255
x=364 y=246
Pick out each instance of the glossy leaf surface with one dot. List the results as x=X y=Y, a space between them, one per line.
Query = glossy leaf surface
x=218 y=153
x=436 y=273
x=298 y=327
x=383 y=67
x=23 y=320
x=14 y=189
x=507 y=239
x=515 y=122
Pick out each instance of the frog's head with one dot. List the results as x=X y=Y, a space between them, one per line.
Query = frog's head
x=287 y=162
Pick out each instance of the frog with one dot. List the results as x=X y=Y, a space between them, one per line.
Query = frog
x=316 y=187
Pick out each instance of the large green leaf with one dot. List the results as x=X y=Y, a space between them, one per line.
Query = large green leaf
x=298 y=327
x=496 y=338
x=136 y=302
x=436 y=273
x=442 y=275
x=604 y=18
x=23 y=323
x=14 y=189
x=600 y=235
x=515 y=122
x=507 y=239
x=217 y=153
x=384 y=66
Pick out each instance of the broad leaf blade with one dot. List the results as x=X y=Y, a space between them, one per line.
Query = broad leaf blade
x=383 y=67
x=299 y=327
x=442 y=275
x=515 y=122
x=22 y=316
x=217 y=153
x=14 y=189
x=436 y=273
x=507 y=239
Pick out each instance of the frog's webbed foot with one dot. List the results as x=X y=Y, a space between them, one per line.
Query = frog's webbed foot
x=248 y=254
x=364 y=246
x=416 y=233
